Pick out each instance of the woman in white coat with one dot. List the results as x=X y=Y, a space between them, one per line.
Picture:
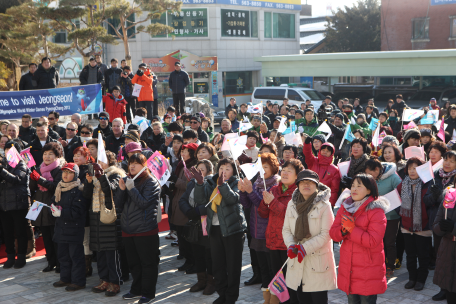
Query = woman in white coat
x=311 y=269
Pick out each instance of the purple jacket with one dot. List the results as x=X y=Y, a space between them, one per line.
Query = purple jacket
x=258 y=224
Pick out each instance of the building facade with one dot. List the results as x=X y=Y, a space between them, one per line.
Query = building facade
x=418 y=24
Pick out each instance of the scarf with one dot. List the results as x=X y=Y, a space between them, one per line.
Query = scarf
x=216 y=198
x=64 y=187
x=446 y=176
x=354 y=205
x=411 y=201
x=354 y=163
x=270 y=181
x=46 y=172
x=302 y=222
x=98 y=194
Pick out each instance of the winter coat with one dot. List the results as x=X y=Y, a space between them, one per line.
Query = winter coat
x=451 y=125
x=362 y=259
x=52 y=134
x=369 y=119
x=317 y=272
x=145 y=80
x=445 y=269
x=275 y=212
x=46 y=79
x=69 y=227
x=111 y=75
x=210 y=133
x=153 y=141
x=364 y=127
x=45 y=217
x=252 y=152
x=69 y=149
x=230 y=212
x=177 y=216
x=14 y=187
x=323 y=166
x=104 y=132
x=126 y=85
x=202 y=135
x=27 y=82
x=115 y=108
x=432 y=204
x=84 y=75
x=337 y=135
x=396 y=126
x=235 y=125
x=27 y=134
x=60 y=130
x=229 y=107
x=104 y=236
x=280 y=145
x=387 y=183
x=214 y=160
x=358 y=109
x=360 y=168
x=240 y=116
x=139 y=205
x=252 y=201
x=113 y=144
x=407 y=222
x=399 y=107
x=36 y=148
x=178 y=81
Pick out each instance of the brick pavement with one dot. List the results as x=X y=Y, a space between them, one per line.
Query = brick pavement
x=30 y=285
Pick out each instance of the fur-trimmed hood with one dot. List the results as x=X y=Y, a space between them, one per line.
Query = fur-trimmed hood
x=388 y=170
x=400 y=165
x=114 y=169
x=323 y=195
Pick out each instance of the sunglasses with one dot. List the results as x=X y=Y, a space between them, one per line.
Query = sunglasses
x=82 y=132
x=51 y=118
x=187 y=121
x=103 y=118
x=194 y=122
x=72 y=130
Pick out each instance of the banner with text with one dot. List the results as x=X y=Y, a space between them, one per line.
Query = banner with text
x=67 y=101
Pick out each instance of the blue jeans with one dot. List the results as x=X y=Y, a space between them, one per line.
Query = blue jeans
x=357 y=299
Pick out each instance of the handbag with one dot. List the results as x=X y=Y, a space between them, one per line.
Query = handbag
x=108 y=216
x=191 y=231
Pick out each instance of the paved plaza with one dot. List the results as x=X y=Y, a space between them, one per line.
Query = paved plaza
x=30 y=285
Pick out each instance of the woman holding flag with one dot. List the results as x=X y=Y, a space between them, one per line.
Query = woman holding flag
x=14 y=204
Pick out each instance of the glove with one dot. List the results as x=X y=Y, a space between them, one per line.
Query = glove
x=197 y=175
x=221 y=179
x=97 y=170
x=346 y=182
x=301 y=252
x=35 y=175
x=56 y=210
x=244 y=159
x=291 y=252
x=308 y=140
x=193 y=213
x=446 y=225
x=140 y=73
x=130 y=183
x=435 y=190
x=348 y=223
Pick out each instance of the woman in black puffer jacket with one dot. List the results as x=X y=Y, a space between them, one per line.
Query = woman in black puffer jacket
x=105 y=238
x=139 y=201
x=14 y=205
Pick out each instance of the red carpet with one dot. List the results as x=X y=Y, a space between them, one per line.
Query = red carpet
x=162 y=226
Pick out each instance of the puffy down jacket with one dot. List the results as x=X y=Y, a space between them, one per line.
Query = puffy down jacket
x=14 y=187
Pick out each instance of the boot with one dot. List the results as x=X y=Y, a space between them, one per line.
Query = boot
x=201 y=284
x=88 y=260
x=113 y=289
x=10 y=261
x=31 y=251
x=440 y=296
x=256 y=279
x=20 y=262
x=266 y=296
x=274 y=299
x=210 y=286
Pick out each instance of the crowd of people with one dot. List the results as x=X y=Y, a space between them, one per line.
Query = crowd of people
x=292 y=213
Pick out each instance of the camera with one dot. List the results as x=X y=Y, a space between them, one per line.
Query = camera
x=90 y=170
x=125 y=73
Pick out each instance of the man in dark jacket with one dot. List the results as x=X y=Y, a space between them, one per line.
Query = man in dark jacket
x=232 y=105
x=338 y=131
x=117 y=138
x=196 y=125
x=38 y=143
x=451 y=120
x=273 y=115
x=328 y=102
x=27 y=82
x=103 y=126
x=52 y=134
x=370 y=102
x=91 y=73
x=53 y=118
x=112 y=74
x=47 y=76
x=178 y=81
x=26 y=131
x=126 y=89
x=71 y=141
x=399 y=106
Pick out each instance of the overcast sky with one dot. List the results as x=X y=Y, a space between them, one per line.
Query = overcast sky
x=319 y=6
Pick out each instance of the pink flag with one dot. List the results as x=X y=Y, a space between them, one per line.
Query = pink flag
x=442 y=130
x=410 y=125
x=13 y=157
x=279 y=287
x=380 y=137
x=450 y=199
x=157 y=164
x=28 y=158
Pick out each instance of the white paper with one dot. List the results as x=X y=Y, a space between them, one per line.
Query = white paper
x=425 y=172
x=34 y=211
x=343 y=196
x=282 y=126
x=394 y=199
x=343 y=168
x=289 y=138
x=437 y=165
x=136 y=90
x=414 y=152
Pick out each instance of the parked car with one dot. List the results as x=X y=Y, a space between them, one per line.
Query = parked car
x=218 y=116
x=423 y=96
x=296 y=95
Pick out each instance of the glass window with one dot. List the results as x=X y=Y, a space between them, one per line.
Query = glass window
x=60 y=37
x=261 y=94
x=238 y=83
x=283 y=25
x=254 y=24
x=293 y=95
x=453 y=27
x=276 y=81
x=161 y=20
x=186 y=23
x=420 y=28
x=115 y=22
x=235 y=23
x=267 y=25
x=277 y=94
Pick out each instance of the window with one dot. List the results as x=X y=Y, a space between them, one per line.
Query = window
x=186 y=23
x=115 y=22
x=277 y=94
x=238 y=83
x=293 y=95
x=420 y=28
x=267 y=25
x=277 y=25
x=276 y=81
x=237 y=23
x=60 y=37
x=453 y=26
x=261 y=94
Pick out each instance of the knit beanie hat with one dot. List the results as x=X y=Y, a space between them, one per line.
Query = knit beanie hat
x=73 y=168
x=361 y=116
x=339 y=116
x=105 y=114
x=320 y=137
x=426 y=132
x=132 y=136
x=391 y=139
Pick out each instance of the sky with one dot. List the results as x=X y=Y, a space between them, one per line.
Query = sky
x=319 y=6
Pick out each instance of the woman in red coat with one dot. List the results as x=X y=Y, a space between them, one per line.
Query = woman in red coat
x=323 y=166
x=360 y=223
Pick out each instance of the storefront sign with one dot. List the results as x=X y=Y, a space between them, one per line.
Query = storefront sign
x=235 y=23
x=278 y=4
x=214 y=89
x=189 y=22
x=189 y=62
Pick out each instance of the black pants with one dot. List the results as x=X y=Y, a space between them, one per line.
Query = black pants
x=142 y=254
x=276 y=260
x=316 y=297
x=179 y=103
x=148 y=106
x=15 y=226
x=123 y=261
x=185 y=248
x=389 y=242
x=266 y=274
x=451 y=297
x=227 y=262
x=202 y=257
x=253 y=257
x=108 y=265
x=437 y=240
x=400 y=245
x=131 y=108
x=51 y=247
x=72 y=263
x=418 y=248
x=357 y=299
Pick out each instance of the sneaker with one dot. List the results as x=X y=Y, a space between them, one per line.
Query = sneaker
x=175 y=243
x=171 y=236
x=113 y=289
x=398 y=264
x=74 y=287
x=102 y=287
x=145 y=300
x=60 y=284
x=130 y=296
